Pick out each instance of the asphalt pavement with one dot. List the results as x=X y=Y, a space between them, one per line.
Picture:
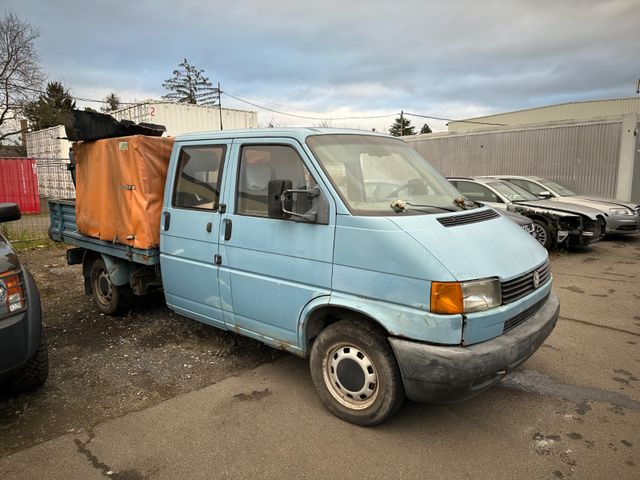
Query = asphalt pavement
x=571 y=411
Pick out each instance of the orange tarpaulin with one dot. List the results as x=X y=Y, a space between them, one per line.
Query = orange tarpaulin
x=119 y=188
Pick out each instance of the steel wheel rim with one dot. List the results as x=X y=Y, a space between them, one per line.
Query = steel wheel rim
x=540 y=234
x=104 y=288
x=355 y=358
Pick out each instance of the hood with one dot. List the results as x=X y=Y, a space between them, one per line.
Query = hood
x=8 y=258
x=604 y=202
x=557 y=206
x=490 y=248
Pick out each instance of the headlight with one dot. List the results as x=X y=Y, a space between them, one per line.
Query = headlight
x=620 y=211
x=465 y=297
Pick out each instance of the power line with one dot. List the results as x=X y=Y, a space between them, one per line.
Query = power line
x=454 y=120
x=303 y=116
x=370 y=117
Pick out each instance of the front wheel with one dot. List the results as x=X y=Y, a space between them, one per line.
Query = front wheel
x=110 y=299
x=542 y=233
x=355 y=373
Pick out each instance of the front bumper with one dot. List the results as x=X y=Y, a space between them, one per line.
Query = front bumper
x=447 y=374
x=624 y=224
x=20 y=333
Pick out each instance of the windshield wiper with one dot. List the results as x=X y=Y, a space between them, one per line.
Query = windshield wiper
x=400 y=206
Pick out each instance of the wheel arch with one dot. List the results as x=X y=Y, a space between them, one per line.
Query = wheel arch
x=320 y=314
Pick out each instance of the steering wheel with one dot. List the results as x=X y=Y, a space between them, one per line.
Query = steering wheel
x=397 y=190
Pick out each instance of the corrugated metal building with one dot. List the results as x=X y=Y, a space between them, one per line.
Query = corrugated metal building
x=182 y=118
x=551 y=113
x=597 y=156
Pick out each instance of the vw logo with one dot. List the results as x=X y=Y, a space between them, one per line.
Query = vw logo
x=536 y=279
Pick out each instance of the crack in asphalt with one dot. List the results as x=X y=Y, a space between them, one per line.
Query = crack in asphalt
x=606 y=327
x=101 y=466
x=532 y=381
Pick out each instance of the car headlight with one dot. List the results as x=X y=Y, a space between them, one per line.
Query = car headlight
x=620 y=211
x=465 y=297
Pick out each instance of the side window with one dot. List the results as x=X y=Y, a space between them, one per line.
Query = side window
x=528 y=186
x=198 y=177
x=475 y=191
x=259 y=164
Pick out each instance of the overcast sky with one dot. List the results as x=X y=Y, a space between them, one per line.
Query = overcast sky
x=452 y=59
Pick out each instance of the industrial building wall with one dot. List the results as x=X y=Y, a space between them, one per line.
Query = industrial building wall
x=575 y=111
x=584 y=157
x=50 y=149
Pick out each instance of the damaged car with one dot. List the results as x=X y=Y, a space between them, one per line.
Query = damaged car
x=555 y=225
x=620 y=217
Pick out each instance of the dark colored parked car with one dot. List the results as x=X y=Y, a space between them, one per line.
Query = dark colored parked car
x=554 y=224
x=23 y=352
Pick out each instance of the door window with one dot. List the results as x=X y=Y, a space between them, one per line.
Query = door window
x=198 y=177
x=259 y=164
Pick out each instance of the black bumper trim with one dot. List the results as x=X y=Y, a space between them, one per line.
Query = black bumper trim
x=448 y=374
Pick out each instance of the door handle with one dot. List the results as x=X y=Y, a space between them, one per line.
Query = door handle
x=227 y=228
x=167 y=220
x=209 y=225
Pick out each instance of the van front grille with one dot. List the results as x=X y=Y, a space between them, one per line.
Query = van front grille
x=523 y=316
x=465 y=219
x=523 y=285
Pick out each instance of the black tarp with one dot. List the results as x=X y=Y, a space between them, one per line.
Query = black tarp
x=87 y=126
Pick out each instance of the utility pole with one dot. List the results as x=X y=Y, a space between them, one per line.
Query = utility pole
x=638 y=87
x=220 y=105
x=402 y=123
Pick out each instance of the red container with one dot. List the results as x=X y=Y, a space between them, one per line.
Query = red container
x=19 y=183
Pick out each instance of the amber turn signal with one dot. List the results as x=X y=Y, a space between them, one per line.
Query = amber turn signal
x=446 y=298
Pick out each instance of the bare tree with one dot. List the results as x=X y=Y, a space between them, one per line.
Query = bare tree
x=20 y=75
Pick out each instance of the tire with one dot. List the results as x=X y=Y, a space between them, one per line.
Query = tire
x=110 y=299
x=542 y=233
x=356 y=373
x=35 y=371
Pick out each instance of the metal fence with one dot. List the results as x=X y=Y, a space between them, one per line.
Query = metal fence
x=54 y=181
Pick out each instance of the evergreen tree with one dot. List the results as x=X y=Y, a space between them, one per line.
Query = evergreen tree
x=112 y=103
x=50 y=108
x=402 y=127
x=189 y=85
x=426 y=129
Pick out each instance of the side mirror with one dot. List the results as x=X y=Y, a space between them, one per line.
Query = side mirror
x=280 y=204
x=9 y=212
x=545 y=194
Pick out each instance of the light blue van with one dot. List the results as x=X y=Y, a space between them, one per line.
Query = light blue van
x=344 y=246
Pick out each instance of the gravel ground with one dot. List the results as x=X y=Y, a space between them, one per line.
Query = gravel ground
x=103 y=367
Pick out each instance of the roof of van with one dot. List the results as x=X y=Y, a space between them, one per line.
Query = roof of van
x=299 y=133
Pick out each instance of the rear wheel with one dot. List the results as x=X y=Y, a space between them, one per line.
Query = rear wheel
x=355 y=373
x=110 y=299
x=542 y=233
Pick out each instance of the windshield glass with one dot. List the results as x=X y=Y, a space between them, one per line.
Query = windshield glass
x=559 y=189
x=371 y=172
x=513 y=192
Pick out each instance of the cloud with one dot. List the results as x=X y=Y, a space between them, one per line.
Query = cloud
x=448 y=59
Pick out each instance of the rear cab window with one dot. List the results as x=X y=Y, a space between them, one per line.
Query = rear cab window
x=198 y=177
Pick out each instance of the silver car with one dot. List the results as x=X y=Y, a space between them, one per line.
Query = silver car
x=621 y=217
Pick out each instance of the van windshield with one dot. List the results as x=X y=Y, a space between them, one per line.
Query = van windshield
x=371 y=172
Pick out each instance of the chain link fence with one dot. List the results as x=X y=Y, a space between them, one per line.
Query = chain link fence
x=54 y=181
